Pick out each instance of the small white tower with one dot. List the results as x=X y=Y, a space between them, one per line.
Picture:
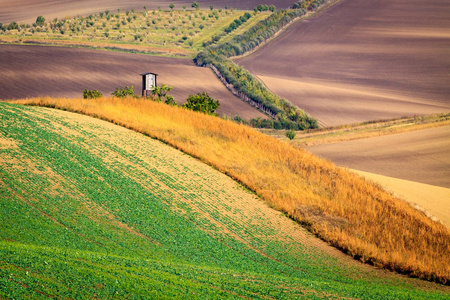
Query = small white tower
x=148 y=83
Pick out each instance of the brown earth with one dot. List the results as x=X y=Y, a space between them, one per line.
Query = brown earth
x=34 y=71
x=26 y=11
x=362 y=60
x=421 y=156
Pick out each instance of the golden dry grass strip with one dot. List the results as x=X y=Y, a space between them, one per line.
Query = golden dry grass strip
x=341 y=207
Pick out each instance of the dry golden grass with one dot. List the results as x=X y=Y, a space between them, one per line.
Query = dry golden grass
x=433 y=200
x=342 y=208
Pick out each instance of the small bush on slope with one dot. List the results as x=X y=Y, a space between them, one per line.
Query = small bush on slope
x=342 y=208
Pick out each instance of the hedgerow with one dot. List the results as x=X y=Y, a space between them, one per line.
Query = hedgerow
x=285 y=114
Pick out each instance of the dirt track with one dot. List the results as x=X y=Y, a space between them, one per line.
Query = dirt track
x=32 y=71
x=362 y=60
x=26 y=11
x=421 y=156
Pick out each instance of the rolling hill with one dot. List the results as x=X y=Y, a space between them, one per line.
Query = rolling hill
x=421 y=156
x=90 y=209
x=34 y=71
x=361 y=60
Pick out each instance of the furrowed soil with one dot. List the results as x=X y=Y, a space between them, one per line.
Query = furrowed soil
x=92 y=209
x=362 y=60
x=26 y=11
x=34 y=71
x=422 y=156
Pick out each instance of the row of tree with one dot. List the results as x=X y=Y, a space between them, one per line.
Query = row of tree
x=288 y=116
x=233 y=26
x=308 y=4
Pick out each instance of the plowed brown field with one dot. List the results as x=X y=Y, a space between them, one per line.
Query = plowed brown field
x=421 y=156
x=362 y=60
x=33 y=71
x=26 y=11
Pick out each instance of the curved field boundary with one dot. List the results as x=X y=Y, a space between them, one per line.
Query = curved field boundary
x=35 y=71
x=361 y=61
x=312 y=191
x=422 y=156
x=433 y=200
x=117 y=213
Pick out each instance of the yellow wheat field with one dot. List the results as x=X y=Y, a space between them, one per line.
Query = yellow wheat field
x=339 y=206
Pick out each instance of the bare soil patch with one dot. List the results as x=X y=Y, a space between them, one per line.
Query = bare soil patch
x=26 y=11
x=34 y=71
x=422 y=156
x=362 y=60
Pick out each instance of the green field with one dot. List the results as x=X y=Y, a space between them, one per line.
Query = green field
x=93 y=210
x=178 y=32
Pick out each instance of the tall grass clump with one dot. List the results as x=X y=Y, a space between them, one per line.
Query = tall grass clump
x=340 y=207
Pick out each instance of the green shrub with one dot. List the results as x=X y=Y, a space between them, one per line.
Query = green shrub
x=40 y=21
x=160 y=94
x=13 y=25
x=91 y=94
x=202 y=103
x=290 y=134
x=127 y=91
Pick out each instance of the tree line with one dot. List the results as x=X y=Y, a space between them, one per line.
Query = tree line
x=288 y=116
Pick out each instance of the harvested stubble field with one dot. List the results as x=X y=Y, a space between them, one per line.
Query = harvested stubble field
x=26 y=11
x=340 y=207
x=32 y=71
x=362 y=60
x=93 y=209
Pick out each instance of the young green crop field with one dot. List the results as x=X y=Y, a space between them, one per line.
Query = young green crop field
x=175 y=32
x=92 y=210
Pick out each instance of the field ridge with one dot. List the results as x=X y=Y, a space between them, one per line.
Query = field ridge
x=81 y=171
x=319 y=198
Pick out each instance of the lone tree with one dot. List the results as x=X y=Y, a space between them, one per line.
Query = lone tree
x=195 y=5
x=202 y=103
x=40 y=21
x=171 y=6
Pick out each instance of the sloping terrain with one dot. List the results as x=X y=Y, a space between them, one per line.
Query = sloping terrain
x=362 y=60
x=90 y=209
x=422 y=156
x=342 y=208
x=34 y=71
x=27 y=11
x=435 y=200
